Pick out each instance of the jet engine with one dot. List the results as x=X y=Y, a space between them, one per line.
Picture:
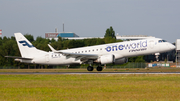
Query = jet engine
x=106 y=59
x=121 y=61
x=110 y=58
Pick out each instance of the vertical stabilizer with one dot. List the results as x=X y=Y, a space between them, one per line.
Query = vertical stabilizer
x=27 y=50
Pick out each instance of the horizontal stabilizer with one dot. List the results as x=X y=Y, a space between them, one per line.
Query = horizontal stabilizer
x=16 y=57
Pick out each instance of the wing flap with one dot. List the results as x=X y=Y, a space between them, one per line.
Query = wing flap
x=78 y=56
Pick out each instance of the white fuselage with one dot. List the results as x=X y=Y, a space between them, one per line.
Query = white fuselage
x=119 y=50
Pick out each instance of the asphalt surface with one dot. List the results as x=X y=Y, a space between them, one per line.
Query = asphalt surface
x=47 y=73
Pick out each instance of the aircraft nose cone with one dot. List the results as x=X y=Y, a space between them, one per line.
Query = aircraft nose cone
x=172 y=46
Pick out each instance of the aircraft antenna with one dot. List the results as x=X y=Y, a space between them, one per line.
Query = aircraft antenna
x=63 y=27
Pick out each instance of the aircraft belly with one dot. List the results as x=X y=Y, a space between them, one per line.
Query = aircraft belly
x=62 y=61
x=25 y=61
x=40 y=60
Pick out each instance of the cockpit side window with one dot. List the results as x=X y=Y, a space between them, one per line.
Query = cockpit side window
x=164 y=40
x=160 y=41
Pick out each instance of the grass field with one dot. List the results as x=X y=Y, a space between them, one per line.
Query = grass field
x=165 y=69
x=87 y=87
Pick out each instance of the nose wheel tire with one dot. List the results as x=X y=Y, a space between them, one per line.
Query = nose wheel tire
x=90 y=68
x=99 y=68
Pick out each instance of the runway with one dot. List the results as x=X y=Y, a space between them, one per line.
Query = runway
x=69 y=73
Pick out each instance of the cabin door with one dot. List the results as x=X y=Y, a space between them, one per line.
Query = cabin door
x=151 y=44
x=47 y=58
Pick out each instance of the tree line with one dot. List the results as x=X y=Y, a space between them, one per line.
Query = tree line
x=8 y=47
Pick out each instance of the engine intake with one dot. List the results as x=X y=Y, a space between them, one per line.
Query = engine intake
x=106 y=59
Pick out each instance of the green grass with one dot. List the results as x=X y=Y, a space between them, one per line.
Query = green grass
x=146 y=87
x=166 y=69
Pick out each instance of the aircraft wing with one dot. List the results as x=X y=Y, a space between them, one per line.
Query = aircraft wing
x=16 y=57
x=82 y=57
x=77 y=56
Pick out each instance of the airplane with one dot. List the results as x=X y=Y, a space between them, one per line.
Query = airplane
x=116 y=53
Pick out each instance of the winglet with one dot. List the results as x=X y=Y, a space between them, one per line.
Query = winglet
x=51 y=48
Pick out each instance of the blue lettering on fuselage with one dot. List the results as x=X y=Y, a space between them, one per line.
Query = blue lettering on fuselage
x=141 y=44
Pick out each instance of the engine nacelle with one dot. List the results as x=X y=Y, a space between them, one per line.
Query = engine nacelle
x=121 y=61
x=106 y=59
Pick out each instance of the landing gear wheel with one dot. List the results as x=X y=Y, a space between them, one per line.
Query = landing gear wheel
x=90 y=68
x=99 y=68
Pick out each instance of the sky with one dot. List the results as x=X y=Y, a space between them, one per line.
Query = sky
x=91 y=18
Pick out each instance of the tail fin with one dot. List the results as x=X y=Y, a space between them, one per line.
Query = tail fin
x=27 y=50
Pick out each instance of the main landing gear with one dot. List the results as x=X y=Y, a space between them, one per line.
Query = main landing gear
x=91 y=68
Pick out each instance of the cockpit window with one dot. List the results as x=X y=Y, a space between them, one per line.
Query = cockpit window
x=162 y=41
